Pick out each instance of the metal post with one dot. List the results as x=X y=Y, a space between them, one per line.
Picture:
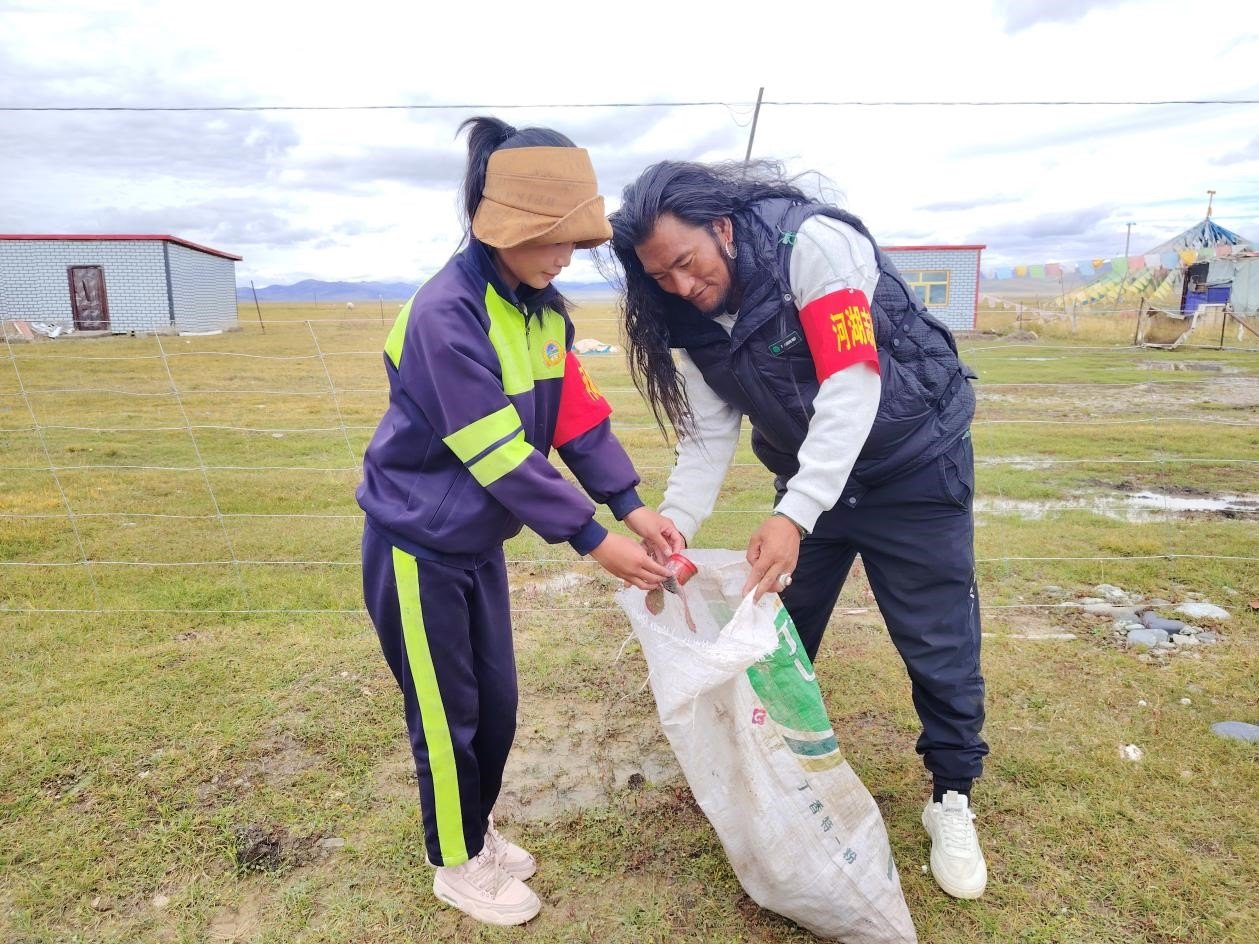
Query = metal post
x=1123 y=279
x=261 y=323
x=755 y=115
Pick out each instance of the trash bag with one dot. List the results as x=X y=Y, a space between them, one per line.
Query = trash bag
x=743 y=713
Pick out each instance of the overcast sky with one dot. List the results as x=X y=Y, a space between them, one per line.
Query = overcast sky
x=352 y=195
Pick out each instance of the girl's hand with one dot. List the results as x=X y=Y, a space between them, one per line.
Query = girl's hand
x=623 y=558
x=660 y=535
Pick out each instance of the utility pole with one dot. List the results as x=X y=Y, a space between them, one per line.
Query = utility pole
x=760 y=93
x=1127 y=244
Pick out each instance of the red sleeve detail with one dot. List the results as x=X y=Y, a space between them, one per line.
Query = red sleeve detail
x=840 y=331
x=582 y=406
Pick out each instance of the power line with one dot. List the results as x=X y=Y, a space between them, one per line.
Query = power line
x=852 y=103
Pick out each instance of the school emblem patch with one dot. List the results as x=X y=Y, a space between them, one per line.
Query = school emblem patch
x=552 y=353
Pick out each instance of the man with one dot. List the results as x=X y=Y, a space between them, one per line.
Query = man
x=783 y=310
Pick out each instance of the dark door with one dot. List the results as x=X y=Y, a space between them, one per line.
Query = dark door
x=87 y=298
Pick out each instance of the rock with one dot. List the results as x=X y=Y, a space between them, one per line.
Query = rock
x=1111 y=592
x=1237 y=731
x=1054 y=590
x=1128 y=625
x=1208 y=638
x=1199 y=610
x=1154 y=621
x=332 y=842
x=1102 y=608
x=1185 y=640
x=160 y=901
x=1142 y=703
x=1091 y=600
x=101 y=903
x=1146 y=637
x=1131 y=752
x=1186 y=701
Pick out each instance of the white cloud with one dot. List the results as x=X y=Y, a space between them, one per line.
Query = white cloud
x=372 y=194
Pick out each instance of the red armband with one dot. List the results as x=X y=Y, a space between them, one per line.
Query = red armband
x=840 y=331
x=582 y=406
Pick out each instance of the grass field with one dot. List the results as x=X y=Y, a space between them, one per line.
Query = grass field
x=199 y=740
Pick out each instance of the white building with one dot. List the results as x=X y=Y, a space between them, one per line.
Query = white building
x=946 y=279
x=117 y=283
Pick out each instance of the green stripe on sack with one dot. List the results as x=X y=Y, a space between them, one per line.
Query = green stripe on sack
x=479 y=435
x=812 y=748
x=502 y=460
x=441 y=752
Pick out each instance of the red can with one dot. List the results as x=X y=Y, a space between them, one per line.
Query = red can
x=681 y=568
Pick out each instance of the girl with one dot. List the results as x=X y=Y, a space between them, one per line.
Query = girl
x=482 y=385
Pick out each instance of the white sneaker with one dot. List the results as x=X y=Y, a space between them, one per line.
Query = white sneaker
x=480 y=888
x=514 y=860
x=956 y=859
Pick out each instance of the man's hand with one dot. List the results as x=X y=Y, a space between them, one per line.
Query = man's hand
x=623 y=558
x=660 y=535
x=772 y=552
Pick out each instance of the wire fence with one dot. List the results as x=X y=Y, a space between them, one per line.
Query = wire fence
x=38 y=392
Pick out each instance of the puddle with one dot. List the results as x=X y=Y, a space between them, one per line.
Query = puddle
x=1237 y=504
x=1134 y=507
x=1212 y=367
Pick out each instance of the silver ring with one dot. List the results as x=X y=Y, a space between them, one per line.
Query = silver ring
x=784 y=580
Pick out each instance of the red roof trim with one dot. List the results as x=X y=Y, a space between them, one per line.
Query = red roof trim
x=908 y=248
x=122 y=238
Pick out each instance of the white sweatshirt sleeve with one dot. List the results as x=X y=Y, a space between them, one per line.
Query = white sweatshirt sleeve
x=703 y=457
x=829 y=256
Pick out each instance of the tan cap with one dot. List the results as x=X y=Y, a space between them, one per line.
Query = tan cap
x=541 y=195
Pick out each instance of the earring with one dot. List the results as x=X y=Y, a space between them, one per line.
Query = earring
x=731 y=250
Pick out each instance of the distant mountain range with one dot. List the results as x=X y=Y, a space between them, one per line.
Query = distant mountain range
x=312 y=290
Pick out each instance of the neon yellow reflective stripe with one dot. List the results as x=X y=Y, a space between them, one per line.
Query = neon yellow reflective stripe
x=507 y=334
x=502 y=460
x=441 y=752
x=397 y=334
x=479 y=435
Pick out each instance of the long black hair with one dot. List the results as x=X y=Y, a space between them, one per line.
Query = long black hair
x=485 y=136
x=698 y=194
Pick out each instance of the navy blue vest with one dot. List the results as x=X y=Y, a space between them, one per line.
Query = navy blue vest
x=764 y=368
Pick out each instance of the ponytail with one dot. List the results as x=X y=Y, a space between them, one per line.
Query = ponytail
x=487 y=135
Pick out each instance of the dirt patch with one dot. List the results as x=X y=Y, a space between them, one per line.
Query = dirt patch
x=260 y=847
x=277 y=761
x=237 y=922
x=567 y=756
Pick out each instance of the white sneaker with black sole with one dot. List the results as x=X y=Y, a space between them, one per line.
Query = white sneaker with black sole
x=514 y=860
x=481 y=888
x=957 y=862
